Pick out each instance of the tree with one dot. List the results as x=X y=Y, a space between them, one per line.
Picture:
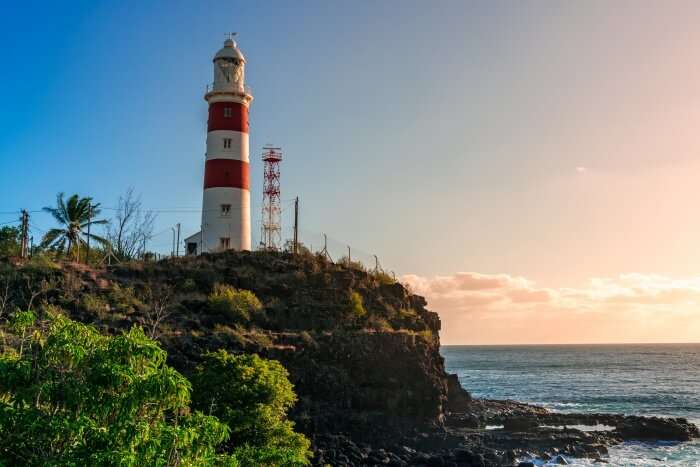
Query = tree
x=10 y=241
x=130 y=228
x=71 y=396
x=159 y=309
x=74 y=216
x=252 y=396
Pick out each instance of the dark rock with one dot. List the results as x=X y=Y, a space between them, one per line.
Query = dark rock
x=464 y=420
x=657 y=428
x=519 y=424
x=470 y=458
x=458 y=400
x=436 y=461
x=526 y=464
x=561 y=461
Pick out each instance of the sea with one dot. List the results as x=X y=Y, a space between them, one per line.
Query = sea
x=633 y=379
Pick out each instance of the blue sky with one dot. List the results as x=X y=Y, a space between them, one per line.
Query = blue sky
x=100 y=96
x=550 y=147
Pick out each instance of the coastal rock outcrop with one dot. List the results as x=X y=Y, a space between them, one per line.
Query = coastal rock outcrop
x=362 y=352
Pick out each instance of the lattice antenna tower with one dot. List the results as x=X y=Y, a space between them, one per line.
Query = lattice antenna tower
x=271 y=219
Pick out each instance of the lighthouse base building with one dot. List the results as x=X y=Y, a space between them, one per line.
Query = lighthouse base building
x=226 y=198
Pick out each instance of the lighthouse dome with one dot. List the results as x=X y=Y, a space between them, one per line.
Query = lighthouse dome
x=230 y=50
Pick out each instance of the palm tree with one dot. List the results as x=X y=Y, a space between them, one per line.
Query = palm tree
x=74 y=216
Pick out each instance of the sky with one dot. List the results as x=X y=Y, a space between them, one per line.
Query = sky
x=530 y=167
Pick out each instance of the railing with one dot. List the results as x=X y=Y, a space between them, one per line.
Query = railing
x=242 y=89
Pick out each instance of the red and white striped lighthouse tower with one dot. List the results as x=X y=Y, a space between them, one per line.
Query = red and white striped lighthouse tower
x=226 y=205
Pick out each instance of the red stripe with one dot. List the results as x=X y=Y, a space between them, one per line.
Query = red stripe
x=229 y=173
x=238 y=120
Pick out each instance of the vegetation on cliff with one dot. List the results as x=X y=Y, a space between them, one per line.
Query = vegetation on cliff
x=72 y=396
x=360 y=351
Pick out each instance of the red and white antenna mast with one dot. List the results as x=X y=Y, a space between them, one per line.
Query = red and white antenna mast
x=271 y=219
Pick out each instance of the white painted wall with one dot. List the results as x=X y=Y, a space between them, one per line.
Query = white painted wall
x=239 y=145
x=236 y=226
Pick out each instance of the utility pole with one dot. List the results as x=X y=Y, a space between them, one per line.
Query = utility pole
x=87 y=257
x=349 y=257
x=25 y=233
x=177 y=245
x=296 y=225
x=376 y=263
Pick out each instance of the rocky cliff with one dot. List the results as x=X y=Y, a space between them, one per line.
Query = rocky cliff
x=361 y=350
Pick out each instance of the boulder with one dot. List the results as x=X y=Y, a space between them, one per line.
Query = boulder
x=657 y=428
x=520 y=424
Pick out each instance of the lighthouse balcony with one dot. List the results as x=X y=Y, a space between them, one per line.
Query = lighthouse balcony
x=237 y=89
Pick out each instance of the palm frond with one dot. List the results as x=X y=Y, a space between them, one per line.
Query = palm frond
x=51 y=237
x=103 y=241
x=98 y=222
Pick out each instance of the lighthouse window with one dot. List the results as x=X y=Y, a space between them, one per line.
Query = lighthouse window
x=225 y=210
x=228 y=112
x=227 y=143
x=225 y=242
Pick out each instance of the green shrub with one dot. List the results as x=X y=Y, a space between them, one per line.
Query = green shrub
x=427 y=335
x=235 y=304
x=94 y=304
x=42 y=262
x=252 y=395
x=383 y=278
x=10 y=241
x=189 y=285
x=357 y=307
x=81 y=398
x=234 y=336
x=307 y=338
x=124 y=299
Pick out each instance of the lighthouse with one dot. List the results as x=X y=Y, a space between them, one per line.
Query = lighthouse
x=226 y=199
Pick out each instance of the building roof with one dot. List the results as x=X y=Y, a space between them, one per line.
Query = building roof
x=194 y=238
x=230 y=50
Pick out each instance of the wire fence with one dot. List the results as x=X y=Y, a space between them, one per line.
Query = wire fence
x=163 y=243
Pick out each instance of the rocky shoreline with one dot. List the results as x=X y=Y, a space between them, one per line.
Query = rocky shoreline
x=488 y=433
x=372 y=387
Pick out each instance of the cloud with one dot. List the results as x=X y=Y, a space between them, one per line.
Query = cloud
x=500 y=308
x=472 y=291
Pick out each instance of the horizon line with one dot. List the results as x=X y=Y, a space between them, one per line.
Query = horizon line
x=570 y=344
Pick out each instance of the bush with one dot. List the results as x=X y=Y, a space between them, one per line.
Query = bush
x=252 y=395
x=357 y=307
x=10 y=241
x=81 y=398
x=235 y=304
x=94 y=304
x=124 y=299
x=383 y=278
x=42 y=262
